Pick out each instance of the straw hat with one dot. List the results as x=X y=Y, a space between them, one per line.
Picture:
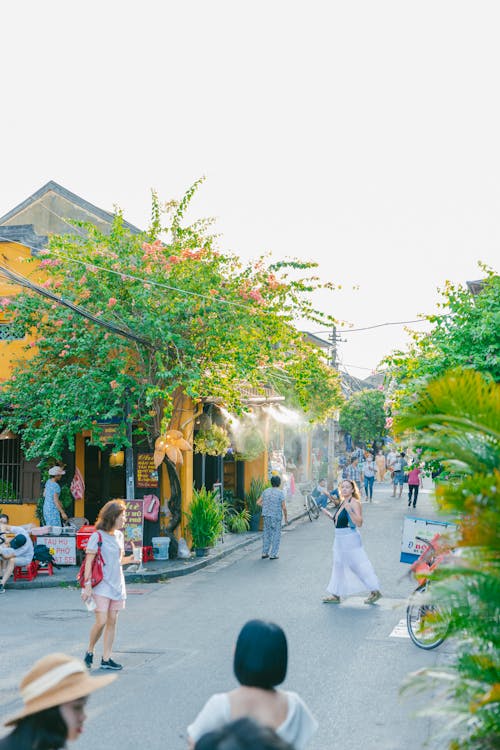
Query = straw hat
x=56 y=679
x=56 y=471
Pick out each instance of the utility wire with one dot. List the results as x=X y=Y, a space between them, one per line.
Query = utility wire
x=24 y=282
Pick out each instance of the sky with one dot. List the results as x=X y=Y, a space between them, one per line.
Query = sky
x=363 y=135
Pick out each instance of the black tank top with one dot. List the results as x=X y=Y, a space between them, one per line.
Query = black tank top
x=342 y=520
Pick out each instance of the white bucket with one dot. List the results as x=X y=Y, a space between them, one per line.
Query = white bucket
x=160 y=546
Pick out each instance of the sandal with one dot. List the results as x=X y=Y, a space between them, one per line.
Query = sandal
x=331 y=599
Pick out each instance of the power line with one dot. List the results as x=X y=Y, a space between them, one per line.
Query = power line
x=380 y=325
x=24 y=282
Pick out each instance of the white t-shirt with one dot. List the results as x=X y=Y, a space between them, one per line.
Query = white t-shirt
x=297 y=729
x=24 y=554
x=113 y=583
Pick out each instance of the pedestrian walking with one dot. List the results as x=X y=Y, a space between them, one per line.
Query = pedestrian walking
x=110 y=594
x=52 y=508
x=353 y=472
x=260 y=664
x=273 y=506
x=390 y=461
x=398 y=476
x=369 y=469
x=381 y=466
x=352 y=571
x=414 y=482
x=54 y=694
x=243 y=734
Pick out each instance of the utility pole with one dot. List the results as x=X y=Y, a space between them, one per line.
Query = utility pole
x=332 y=421
x=129 y=453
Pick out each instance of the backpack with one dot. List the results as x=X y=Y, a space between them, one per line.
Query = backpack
x=41 y=553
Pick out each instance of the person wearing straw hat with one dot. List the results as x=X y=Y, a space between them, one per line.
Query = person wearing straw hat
x=54 y=694
x=52 y=508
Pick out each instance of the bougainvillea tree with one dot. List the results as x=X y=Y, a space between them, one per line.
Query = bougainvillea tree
x=199 y=322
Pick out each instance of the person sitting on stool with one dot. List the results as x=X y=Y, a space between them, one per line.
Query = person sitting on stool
x=19 y=551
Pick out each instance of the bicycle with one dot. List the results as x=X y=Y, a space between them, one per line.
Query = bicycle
x=427 y=622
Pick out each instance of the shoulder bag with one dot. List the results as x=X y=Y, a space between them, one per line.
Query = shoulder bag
x=97 y=573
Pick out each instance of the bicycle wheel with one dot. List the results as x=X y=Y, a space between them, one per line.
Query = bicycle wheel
x=312 y=507
x=427 y=626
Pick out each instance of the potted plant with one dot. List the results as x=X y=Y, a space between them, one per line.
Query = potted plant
x=257 y=487
x=205 y=520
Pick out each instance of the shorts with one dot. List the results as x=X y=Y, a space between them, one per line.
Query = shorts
x=105 y=604
x=398 y=477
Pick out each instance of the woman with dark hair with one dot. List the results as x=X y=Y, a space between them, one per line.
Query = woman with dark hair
x=110 y=594
x=352 y=571
x=54 y=693
x=260 y=664
x=243 y=734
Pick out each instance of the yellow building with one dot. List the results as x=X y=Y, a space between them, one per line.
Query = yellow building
x=24 y=232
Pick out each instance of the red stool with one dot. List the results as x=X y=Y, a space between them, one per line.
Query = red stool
x=147 y=554
x=46 y=570
x=26 y=572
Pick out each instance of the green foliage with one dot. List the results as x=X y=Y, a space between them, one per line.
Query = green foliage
x=363 y=416
x=205 y=518
x=458 y=424
x=205 y=324
x=463 y=334
x=212 y=442
x=7 y=491
x=237 y=521
x=249 y=444
x=257 y=487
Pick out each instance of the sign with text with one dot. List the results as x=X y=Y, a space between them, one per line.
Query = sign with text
x=134 y=523
x=146 y=473
x=411 y=547
x=109 y=432
x=64 y=548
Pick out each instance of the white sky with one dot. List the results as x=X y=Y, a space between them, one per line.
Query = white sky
x=364 y=135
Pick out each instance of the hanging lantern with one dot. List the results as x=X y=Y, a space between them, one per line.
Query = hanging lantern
x=117 y=459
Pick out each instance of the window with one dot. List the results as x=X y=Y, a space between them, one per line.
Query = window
x=9 y=331
x=10 y=470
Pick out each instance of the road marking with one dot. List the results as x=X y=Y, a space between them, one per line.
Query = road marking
x=400 y=630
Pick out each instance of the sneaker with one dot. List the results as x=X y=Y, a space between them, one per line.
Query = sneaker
x=2 y=588
x=374 y=597
x=88 y=659
x=110 y=664
x=274 y=557
x=264 y=556
x=333 y=599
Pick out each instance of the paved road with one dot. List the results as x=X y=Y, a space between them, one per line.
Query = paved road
x=176 y=640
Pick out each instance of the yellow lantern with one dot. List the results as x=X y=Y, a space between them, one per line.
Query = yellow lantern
x=116 y=459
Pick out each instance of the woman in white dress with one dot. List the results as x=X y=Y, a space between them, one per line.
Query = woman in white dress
x=260 y=664
x=352 y=571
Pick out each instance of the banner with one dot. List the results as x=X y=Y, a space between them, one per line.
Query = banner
x=146 y=472
x=412 y=548
x=134 y=524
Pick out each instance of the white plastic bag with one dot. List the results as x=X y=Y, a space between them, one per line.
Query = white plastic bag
x=182 y=549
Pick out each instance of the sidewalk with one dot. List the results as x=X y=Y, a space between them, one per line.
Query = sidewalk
x=161 y=570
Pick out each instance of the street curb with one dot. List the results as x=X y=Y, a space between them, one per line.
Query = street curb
x=157 y=576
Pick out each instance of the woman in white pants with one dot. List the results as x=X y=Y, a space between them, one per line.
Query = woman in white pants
x=352 y=571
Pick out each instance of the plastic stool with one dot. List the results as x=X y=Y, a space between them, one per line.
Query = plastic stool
x=46 y=570
x=147 y=554
x=26 y=572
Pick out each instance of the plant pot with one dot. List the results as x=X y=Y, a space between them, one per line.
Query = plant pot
x=202 y=551
x=255 y=521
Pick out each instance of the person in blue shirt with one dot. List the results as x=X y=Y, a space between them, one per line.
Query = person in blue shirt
x=322 y=496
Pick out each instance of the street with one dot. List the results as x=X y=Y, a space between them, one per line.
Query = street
x=176 y=640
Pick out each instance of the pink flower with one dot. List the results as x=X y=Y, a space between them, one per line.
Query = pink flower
x=112 y=301
x=114 y=384
x=5 y=302
x=388 y=423
x=64 y=353
x=58 y=323
x=57 y=284
x=83 y=280
x=47 y=283
x=45 y=262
